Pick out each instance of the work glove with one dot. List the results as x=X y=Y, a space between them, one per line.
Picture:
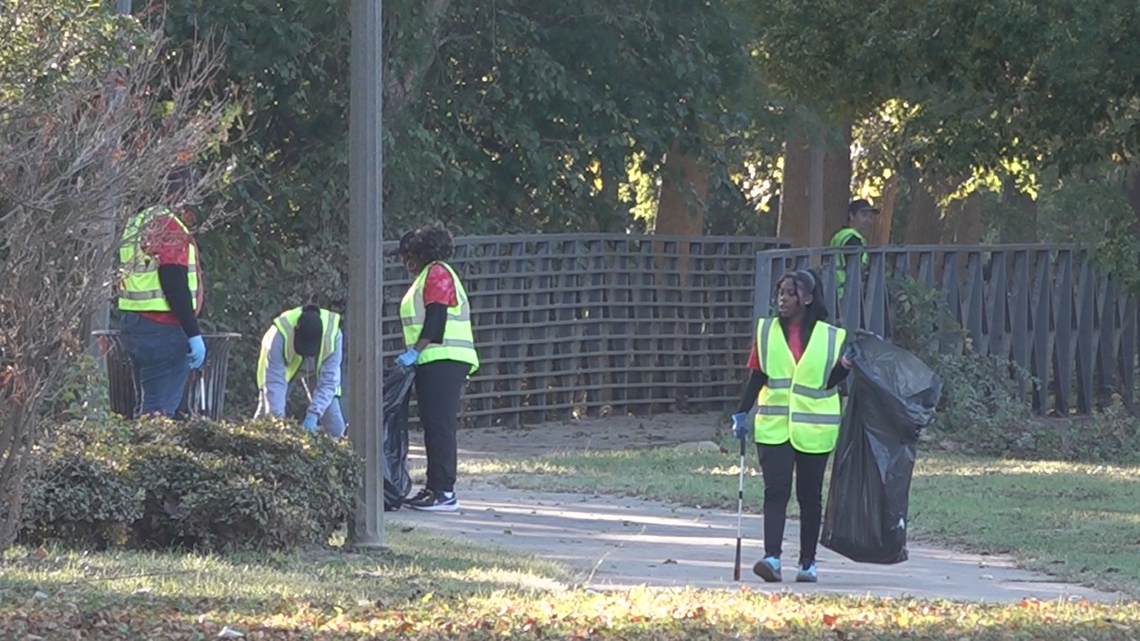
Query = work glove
x=408 y=358
x=197 y=352
x=310 y=424
x=740 y=425
x=847 y=359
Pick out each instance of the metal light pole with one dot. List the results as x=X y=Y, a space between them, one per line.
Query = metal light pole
x=366 y=270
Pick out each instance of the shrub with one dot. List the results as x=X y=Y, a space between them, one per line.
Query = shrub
x=981 y=401
x=194 y=484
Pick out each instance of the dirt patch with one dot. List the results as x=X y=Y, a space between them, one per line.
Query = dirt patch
x=611 y=433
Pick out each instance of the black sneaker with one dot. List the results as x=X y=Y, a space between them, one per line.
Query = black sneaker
x=429 y=501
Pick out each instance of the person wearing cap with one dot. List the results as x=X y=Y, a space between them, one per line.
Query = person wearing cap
x=860 y=221
x=440 y=345
x=302 y=341
x=159 y=297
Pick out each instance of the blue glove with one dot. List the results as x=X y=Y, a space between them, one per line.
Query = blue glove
x=310 y=425
x=740 y=425
x=197 y=352
x=408 y=358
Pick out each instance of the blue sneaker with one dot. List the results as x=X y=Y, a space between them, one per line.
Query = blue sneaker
x=807 y=575
x=768 y=568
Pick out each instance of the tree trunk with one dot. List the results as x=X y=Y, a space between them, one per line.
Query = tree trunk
x=968 y=227
x=837 y=183
x=684 y=190
x=882 y=233
x=682 y=199
x=793 y=218
x=1022 y=227
x=923 y=218
x=402 y=85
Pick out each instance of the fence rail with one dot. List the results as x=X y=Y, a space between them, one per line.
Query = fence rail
x=1044 y=307
x=571 y=325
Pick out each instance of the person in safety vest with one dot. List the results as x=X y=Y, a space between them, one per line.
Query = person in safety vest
x=860 y=221
x=301 y=341
x=159 y=297
x=436 y=317
x=797 y=361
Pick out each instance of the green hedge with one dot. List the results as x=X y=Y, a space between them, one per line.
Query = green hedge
x=194 y=484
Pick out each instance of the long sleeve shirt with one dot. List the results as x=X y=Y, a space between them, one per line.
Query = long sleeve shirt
x=277 y=388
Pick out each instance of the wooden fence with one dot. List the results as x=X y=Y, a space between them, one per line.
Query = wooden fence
x=1044 y=307
x=571 y=325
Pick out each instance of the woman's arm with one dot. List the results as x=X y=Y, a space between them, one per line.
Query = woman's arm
x=751 y=391
x=755 y=381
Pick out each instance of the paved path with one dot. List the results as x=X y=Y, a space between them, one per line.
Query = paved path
x=622 y=542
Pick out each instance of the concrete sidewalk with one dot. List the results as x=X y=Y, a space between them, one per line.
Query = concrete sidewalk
x=623 y=542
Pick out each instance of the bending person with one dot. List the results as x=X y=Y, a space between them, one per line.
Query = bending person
x=302 y=341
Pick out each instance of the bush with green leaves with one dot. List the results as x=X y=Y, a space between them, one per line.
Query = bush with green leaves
x=981 y=400
x=190 y=484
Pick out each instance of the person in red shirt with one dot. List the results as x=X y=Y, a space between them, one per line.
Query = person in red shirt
x=442 y=351
x=160 y=332
x=802 y=316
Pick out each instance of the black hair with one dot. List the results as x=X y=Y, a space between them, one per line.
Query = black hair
x=809 y=281
x=428 y=244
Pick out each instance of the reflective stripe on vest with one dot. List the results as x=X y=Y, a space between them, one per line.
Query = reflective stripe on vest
x=286 y=325
x=458 y=334
x=141 y=289
x=795 y=404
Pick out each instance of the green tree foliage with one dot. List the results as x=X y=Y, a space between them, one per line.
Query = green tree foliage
x=504 y=117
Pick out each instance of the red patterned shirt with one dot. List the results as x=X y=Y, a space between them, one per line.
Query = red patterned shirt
x=168 y=243
x=440 y=287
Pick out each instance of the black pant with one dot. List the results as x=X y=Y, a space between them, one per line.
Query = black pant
x=439 y=386
x=777 y=463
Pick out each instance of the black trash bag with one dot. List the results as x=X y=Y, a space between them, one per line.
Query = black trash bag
x=397 y=392
x=893 y=396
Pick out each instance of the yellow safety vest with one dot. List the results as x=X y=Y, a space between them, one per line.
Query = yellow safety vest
x=141 y=290
x=458 y=334
x=840 y=240
x=286 y=325
x=795 y=404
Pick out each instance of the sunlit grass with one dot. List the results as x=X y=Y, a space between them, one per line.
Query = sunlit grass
x=1078 y=521
x=421 y=590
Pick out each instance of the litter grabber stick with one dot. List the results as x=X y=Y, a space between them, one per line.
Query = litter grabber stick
x=739 y=514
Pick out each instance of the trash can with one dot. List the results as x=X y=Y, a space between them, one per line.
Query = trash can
x=205 y=393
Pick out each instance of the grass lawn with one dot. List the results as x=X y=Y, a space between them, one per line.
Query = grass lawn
x=428 y=588
x=1076 y=521
x=1080 y=522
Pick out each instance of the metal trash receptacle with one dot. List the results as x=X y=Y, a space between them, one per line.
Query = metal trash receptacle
x=205 y=392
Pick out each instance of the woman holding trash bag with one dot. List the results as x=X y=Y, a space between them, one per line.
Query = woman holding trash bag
x=440 y=342
x=797 y=361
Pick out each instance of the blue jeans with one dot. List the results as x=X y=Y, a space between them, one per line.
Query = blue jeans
x=333 y=420
x=160 y=362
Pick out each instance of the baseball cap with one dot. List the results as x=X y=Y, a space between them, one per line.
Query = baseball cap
x=859 y=205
